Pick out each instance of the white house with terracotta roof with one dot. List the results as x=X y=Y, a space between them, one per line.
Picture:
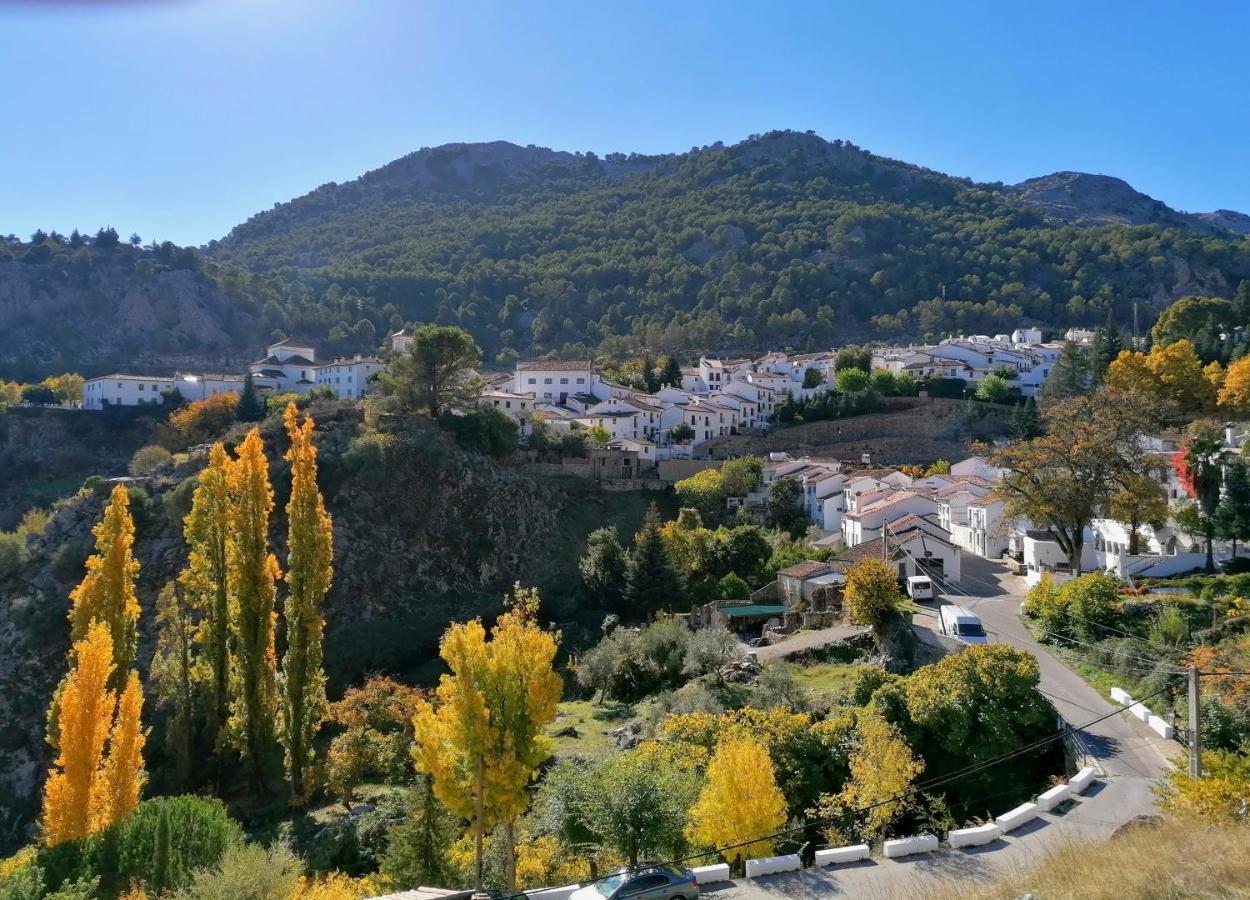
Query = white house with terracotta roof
x=868 y=513
x=913 y=545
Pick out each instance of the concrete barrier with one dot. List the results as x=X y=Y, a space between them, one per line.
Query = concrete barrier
x=835 y=855
x=1162 y=727
x=711 y=874
x=974 y=837
x=921 y=843
x=771 y=865
x=1010 y=821
x=1053 y=797
x=1080 y=782
x=555 y=893
x=1141 y=711
x=1121 y=696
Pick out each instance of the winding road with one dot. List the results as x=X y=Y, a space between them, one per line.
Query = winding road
x=1130 y=758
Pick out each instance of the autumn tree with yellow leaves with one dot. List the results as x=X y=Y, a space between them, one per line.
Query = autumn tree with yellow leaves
x=740 y=801
x=98 y=773
x=308 y=579
x=1171 y=374
x=481 y=739
x=883 y=767
x=251 y=575
x=205 y=579
x=107 y=592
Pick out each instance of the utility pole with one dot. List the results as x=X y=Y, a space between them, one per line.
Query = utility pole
x=1195 y=725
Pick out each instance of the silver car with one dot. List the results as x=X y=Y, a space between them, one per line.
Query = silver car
x=642 y=883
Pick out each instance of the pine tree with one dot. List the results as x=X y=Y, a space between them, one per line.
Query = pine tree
x=107 y=592
x=1025 y=421
x=1070 y=377
x=252 y=571
x=84 y=712
x=308 y=577
x=251 y=407
x=1108 y=343
x=671 y=373
x=122 y=776
x=207 y=530
x=652 y=583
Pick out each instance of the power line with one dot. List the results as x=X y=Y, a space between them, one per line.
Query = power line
x=905 y=795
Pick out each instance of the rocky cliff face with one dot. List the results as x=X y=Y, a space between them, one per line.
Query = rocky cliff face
x=117 y=310
x=424 y=532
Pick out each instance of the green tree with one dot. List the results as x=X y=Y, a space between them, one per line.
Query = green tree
x=1139 y=500
x=603 y=569
x=436 y=372
x=251 y=406
x=1025 y=422
x=1108 y=344
x=705 y=493
x=784 y=508
x=732 y=587
x=416 y=850
x=812 y=378
x=599 y=435
x=851 y=381
x=670 y=373
x=742 y=475
x=993 y=389
x=1233 y=514
x=1189 y=316
x=652 y=583
x=1069 y=378
x=710 y=651
x=1200 y=466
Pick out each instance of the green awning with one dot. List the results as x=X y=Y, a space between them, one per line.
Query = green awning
x=753 y=609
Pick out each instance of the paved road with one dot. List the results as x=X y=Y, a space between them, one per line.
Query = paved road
x=806 y=640
x=1130 y=757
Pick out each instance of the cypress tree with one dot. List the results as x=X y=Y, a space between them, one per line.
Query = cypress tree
x=1025 y=422
x=251 y=407
x=308 y=579
x=652 y=582
x=1070 y=377
x=162 y=867
x=1108 y=343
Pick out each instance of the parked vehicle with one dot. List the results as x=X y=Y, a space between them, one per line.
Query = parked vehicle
x=645 y=882
x=920 y=587
x=961 y=624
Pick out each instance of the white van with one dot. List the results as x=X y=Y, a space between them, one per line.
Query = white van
x=920 y=587
x=961 y=624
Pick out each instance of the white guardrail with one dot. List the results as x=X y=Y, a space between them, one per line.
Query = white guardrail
x=772 y=865
x=974 y=837
x=921 y=843
x=1158 y=725
x=835 y=855
x=711 y=874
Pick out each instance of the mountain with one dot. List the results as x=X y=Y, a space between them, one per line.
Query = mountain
x=782 y=240
x=1078 y=198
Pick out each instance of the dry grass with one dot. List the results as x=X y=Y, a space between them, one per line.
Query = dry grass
x=1168 y=861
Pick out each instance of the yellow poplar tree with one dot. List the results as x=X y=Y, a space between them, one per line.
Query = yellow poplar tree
x=107 y=592
x=882 y=766
x=205 y=579
x=1235 y=389
x=84 y=714
x=481 y=740
x=740 y=800
x=122 y=776
x=308 y=579
x=252 y=572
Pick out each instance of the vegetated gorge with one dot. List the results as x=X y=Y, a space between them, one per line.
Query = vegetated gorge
x=783 y=240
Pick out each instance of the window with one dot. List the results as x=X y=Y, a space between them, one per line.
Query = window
x=141 y=387
x=564 y=381
x=532 y=381
x=546 y=381
x=581 y=381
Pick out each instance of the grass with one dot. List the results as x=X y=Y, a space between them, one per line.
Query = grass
x=1171 y=859
x=590 y=720
x=827 y=678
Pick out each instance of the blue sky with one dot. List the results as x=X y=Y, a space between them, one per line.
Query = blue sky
x=180 y=118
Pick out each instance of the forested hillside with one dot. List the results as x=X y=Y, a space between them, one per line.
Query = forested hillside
x=782 y=240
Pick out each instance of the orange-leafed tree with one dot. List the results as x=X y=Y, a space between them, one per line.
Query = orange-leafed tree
x=251 y=576
x=84 y=715
x=107 y=592
x=308 y=575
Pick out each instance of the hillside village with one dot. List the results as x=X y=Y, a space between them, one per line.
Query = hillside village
x=793 y=593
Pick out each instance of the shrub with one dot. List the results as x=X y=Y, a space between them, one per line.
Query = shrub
x=13 y=553
x=148 y=459
x=732 y=587
x=247 y=872
x=201 y=833
x=202 y=420
x=487 y=431
x=34 y=521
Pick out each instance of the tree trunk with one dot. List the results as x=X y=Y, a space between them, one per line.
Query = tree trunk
x=509 y=832
x=480 y=802
x=1210 y=566
x=1132 y=538
x=1074 y=555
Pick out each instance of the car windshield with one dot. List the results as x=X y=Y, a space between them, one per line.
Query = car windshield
x=969 y=629
x=607 y=886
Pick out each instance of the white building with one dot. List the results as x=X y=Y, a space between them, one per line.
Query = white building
x=400 y=340
x=350 y=379
x=555 y=381
x=146 y=390
x=290 y=365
